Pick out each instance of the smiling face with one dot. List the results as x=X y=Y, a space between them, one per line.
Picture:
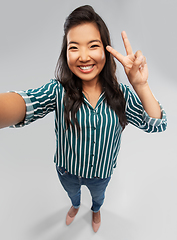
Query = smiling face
x=85 y=52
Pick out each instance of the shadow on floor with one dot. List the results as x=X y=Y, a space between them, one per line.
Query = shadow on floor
x=112 y=227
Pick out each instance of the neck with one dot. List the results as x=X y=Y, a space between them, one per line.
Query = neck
x=91 y=86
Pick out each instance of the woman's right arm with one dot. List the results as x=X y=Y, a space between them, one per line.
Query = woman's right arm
x=12 y=109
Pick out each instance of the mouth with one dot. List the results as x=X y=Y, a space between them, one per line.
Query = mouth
x=86 y=68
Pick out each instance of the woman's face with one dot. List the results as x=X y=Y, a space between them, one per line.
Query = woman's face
x=85 y=52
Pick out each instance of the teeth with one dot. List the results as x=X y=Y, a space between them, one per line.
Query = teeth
x=87 y=67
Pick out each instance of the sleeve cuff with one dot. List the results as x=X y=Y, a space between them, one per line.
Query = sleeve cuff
x=155 y=121
x=29 y=110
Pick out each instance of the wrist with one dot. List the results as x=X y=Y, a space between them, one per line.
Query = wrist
x=140 y=88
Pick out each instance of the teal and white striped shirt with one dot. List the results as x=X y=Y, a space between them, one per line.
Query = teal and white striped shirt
x=93 y=152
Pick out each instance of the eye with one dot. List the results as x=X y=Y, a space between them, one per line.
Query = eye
x=94 y=46
x=72 y=47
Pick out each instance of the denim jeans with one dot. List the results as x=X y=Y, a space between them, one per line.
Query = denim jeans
x=72 y=185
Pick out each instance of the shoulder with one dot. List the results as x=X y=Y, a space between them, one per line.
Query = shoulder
x=125 y=90
x=123 y=87
x=129 y=93
x=54 y=83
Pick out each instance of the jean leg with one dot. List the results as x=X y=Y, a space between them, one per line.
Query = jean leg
x=71 y=185
x=97 y=187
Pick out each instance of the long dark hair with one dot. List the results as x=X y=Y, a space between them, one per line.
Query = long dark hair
x=73 y=97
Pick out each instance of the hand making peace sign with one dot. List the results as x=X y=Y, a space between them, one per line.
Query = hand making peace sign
x=135 y=65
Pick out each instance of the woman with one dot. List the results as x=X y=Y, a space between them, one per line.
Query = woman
x=91 y=107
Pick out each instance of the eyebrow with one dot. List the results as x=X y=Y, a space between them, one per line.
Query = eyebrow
x=96 y=40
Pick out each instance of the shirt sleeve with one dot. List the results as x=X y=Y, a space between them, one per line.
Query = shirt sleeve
x=39 y=102
x=137 y=116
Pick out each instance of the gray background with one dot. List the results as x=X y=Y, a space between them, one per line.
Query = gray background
x=141 y=198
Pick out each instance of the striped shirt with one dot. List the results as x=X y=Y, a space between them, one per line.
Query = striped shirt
x=94 y=151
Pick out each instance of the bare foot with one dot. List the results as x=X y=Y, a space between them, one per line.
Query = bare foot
x=73 y=211
x=96 y=217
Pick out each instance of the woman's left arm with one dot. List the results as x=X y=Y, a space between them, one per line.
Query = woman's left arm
x=136 y=69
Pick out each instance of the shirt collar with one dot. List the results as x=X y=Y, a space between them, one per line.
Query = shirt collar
x=100 y=100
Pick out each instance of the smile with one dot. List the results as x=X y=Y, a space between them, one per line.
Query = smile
x=86 y=69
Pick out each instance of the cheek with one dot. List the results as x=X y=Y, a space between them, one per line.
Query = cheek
x=70 y=62
x=100 y=57
x=69 y=59
x=103 y=57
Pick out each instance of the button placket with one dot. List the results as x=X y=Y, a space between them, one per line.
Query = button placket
x=94 y=138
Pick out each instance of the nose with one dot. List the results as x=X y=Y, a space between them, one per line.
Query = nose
x=84 y=55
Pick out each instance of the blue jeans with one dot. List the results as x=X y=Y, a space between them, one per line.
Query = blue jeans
x=72 y=185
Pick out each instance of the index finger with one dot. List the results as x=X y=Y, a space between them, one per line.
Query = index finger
x=116 y=54
x=127 y=45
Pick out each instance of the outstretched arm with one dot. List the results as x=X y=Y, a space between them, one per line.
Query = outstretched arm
x=136 y=69
x=12 y=109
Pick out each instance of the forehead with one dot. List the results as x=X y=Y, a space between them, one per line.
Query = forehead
x=84 y=32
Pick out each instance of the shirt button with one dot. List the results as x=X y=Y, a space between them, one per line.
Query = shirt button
x=94 y=128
